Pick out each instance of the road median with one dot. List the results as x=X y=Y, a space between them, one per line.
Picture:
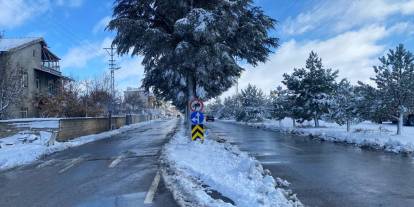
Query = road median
x=218 y=174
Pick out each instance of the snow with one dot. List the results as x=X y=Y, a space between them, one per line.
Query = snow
x=197 y=169
x=27 y=147
x=365 y=134
x=45 y=124
x=8 y=44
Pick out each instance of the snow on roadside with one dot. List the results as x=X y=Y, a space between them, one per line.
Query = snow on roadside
x=37 y=123
x=197 y=173
x=365 y=134
x=27 y=147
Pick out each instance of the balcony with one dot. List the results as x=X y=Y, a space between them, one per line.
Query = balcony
x=53 y=70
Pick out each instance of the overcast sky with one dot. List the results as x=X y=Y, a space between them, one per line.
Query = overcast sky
x=349 y=35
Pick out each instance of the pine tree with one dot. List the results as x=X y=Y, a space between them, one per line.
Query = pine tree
x=369 y=104
x=230 y=107
x=252 y=105
x=215 y=108
x=192 y=48
x=395 y=82
x=312 y=87
x=344 y=107
x=280 y=104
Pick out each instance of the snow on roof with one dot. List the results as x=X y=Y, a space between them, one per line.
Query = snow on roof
x=7 y=44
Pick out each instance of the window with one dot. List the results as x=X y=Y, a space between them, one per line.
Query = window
x=34 y=53
x=25 y=80
x=51 y=87
x=37 y=83
x=23 y=112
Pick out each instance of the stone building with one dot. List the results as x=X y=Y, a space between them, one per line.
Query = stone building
x=41 y=75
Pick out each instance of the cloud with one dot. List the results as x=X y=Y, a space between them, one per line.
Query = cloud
x=343 y=15
x=130 y=74
x=16 y=12
x=79 y=57
x=353 y=53
x=101 y=25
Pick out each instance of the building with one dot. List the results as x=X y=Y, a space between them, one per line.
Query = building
x=41 y=75
x=146 y=98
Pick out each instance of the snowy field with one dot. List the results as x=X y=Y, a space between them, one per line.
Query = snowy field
x=218 y=174
x=27 y=147
x=365 y=134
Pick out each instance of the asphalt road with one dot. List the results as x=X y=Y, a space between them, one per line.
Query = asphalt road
x=327 y=174
x=118 y=171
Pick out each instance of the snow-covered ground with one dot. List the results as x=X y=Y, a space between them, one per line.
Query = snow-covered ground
x=27 y=146
x=365 y=134
x=218 y=174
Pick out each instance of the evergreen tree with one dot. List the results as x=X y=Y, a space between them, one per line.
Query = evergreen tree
x=344 y=108
x=192 y=48
x=395 y=82
x=280 y=104
x=215 y=108
x=252 y=105
x=369 y=104
x=230 y=107
x=312 y=87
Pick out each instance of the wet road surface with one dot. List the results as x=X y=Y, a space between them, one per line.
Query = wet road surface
x=118 y=171
x=327 y=174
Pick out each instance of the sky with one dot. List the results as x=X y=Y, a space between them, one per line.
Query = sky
x=349 y=36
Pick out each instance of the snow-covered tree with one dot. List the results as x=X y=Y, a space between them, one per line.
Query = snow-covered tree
x=395 y=82
x=312 y=87
x=215 y=108
x=252 y=105
x=344 y=107
x=192 y=48
x=370 y=104
x=280 y=107
x=230 y=107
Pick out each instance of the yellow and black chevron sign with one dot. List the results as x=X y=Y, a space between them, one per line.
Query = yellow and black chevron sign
x=197 y=132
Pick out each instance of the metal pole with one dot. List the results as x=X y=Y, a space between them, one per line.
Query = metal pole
x=112 y=68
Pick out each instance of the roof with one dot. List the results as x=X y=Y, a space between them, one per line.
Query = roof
x=9 y=44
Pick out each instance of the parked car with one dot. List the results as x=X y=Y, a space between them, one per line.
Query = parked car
x=209 y=118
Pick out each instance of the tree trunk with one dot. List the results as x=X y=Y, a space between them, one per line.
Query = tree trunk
x=348 y=126
x=280 y=123
x=190 y=96
x=294 y=123
x=316 y=121
x=400 y=123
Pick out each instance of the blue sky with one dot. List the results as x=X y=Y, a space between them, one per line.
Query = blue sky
x=349 y=35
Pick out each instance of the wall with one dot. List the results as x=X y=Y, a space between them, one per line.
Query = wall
x=24 y=58
x=68 y=128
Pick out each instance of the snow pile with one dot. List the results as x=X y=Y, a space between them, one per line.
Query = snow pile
x=365 y=134
x=27 y=147
x=218 y=174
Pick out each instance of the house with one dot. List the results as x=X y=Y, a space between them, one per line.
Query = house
x=40 y=73
x=147 y=99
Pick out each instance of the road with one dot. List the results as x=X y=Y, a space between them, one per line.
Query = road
x=327 y=174
x=118 y=171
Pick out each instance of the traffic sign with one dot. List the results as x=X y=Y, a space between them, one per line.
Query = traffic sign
x=197 y=117
x=196 y=105
x=197 y=132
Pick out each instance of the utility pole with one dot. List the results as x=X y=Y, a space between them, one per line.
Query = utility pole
x=112 y=67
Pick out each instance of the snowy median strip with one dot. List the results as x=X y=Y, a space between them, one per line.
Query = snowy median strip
x=218 y=174
x=25 y=147
x=365 y=134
